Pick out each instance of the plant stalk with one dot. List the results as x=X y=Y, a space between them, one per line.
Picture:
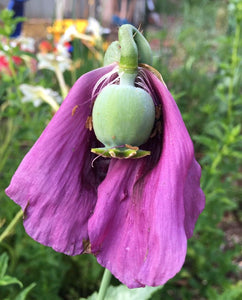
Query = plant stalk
x=61 y=80
x=14 y=221
x=234 y=63
x=104 y=284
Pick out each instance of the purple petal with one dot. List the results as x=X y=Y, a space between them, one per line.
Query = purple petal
x=141 y=221
x=194 y=199
x=55 y=184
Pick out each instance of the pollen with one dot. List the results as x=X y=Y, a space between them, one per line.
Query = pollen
x=112 y=153
x=74 y=110
x=88 y=124
x=132 y=147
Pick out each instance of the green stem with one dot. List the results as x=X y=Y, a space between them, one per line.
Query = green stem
x=16 y=80
x=9 y=228
x=61 y=80
x=127 y=78
x=14 y=76
x=234 y=62
x=51 y=101
x=104 y=284
x=4 y=149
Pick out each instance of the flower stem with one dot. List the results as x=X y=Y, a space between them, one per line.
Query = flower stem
x=61 y=80
x=14 y=221
x=4 y=149
x=104 y=284
x=51 y=101
x=127 y=78
x=234 y=64
x=14 y=75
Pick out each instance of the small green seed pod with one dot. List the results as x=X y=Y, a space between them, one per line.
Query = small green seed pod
x=123 y=114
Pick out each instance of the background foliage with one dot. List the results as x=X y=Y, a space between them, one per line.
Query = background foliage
x=198 y=52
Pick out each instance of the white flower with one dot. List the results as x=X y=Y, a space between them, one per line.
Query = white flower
x=52 y=61
x=59 y=62
x=37 y=95
x=72 y=33
x=25 y=43
x=96 y=29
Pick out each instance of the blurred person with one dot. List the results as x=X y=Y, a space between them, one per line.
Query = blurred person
x=17 y=6
x=124 y=12
x=136 y=12
x=153 y=16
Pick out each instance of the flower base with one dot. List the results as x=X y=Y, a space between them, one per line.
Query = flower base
x=122 y=152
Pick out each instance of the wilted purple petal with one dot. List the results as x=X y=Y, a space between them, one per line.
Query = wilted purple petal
x=194 y=199
x=140 y=225
x=54 y=184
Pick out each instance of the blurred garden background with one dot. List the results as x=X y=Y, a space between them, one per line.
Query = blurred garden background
x=197 y=48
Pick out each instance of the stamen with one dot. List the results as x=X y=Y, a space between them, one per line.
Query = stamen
x=112 y=153
x=154 y=71
x=144 y=82
x=88 y=123
x=102 y=81
x=92 y=163
x=139 y=28
x=143 y=86
x=74 y=110
x=132 y=147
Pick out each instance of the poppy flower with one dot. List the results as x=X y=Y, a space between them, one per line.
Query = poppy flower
x=134 y=215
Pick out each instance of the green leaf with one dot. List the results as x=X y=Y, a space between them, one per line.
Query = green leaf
x=3 y=32
x=7 y=280
x=21 y=53
x=18 y=20
x=236 y=130
x=3 y=264
x=24 y=293
x=6 y=14
x=205 y=140
x=121 y=292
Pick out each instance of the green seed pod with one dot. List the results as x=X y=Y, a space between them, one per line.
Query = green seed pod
x=123 y=114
